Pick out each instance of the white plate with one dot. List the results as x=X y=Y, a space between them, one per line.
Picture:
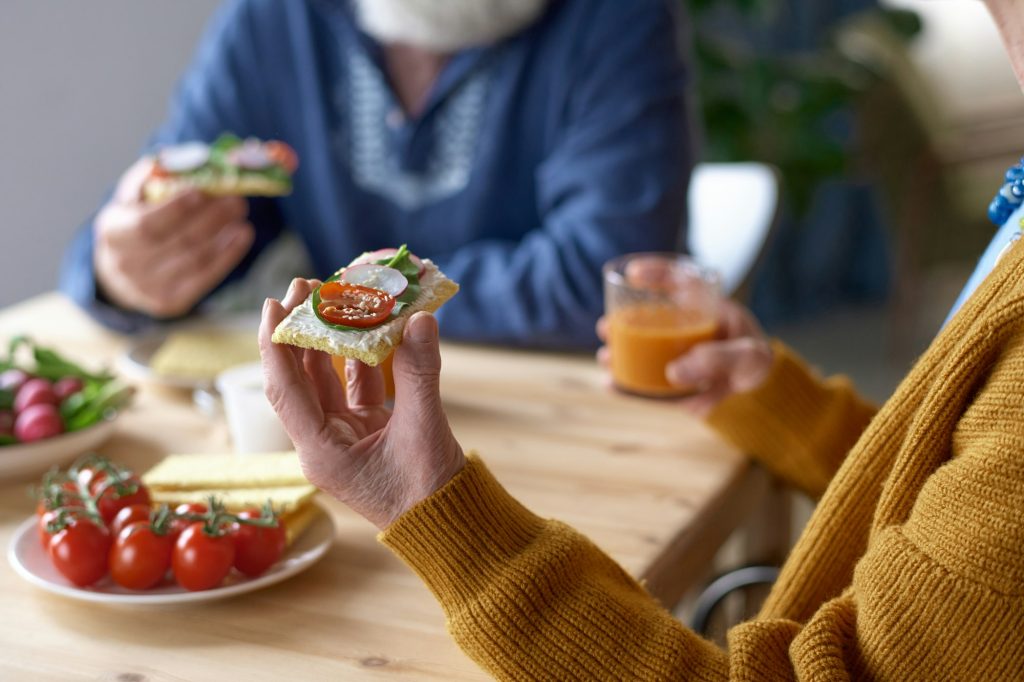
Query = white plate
x=26 y=556
x=27 y=459
x=137 y=359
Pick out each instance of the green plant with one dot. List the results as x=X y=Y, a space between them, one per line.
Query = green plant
x=783 y=109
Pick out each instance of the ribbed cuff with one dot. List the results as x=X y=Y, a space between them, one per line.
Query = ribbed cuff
x=782 y=422
x=460 y=537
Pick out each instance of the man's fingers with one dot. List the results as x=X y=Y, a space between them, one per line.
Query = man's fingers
x=287 y=386
x=163 y=220
x=604 y=356
x=602 y=329
x=129 y=187
x=207 y=221
x=184 y=277
x=366 y=386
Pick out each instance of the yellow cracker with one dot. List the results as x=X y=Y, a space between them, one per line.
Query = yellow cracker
x=159 y=189
x=302 y=327
x=191 y=472
x=282 y=498
x=204 y=354
x=297 y=521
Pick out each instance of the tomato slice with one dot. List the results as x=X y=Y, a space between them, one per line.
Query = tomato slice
x=354 y=305
x=282 y=154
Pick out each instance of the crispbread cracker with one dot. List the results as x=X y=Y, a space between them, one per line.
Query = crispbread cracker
x=282 y=498
x=203 y=354
x=159 y=189
x=298 y=520
x=192 y=472
x=302 y=327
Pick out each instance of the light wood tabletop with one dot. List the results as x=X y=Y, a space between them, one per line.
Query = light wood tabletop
x=652 y=487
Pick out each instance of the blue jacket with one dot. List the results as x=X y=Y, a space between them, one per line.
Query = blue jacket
x=535 y=160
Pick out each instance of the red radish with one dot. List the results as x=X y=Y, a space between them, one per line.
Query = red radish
x=381 y=254
x=66 y=387
x=37 y=422
x=379 y=277
x=182 y=158
x=34 y=392
x=12 y=379
x=6 y=422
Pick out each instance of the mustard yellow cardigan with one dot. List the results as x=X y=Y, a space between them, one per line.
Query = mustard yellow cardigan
x=912 y=567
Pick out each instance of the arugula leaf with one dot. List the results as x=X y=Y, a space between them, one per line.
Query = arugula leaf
x=7 y=440
x=6 y=399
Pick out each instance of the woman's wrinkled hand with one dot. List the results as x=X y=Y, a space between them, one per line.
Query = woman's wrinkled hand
x=737 y=361
x=378 y=462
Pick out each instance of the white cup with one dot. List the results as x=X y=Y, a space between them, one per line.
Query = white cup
x=253 y=424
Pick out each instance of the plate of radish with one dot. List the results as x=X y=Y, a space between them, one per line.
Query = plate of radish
x=51 y=409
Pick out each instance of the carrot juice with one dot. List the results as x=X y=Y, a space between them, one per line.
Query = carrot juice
x=645 y=338
x=389 y=378
x=657 y=307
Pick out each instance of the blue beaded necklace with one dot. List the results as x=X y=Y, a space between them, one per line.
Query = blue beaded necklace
x=1009 y=198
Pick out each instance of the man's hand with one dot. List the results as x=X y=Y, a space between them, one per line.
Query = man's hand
x=161 y=259
x=377 y=462
x=738 y=361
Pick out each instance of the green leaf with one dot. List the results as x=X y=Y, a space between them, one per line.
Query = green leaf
x=6 y=399
x=7 y=440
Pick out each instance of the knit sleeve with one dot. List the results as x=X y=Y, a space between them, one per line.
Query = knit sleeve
x=795 y=423
x=532 y=599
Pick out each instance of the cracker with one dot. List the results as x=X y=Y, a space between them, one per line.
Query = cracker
x=302 y=328
x=204 y=354
x=192 y=472
x=282 y=498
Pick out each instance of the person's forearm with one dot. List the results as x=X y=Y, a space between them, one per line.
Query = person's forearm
x=800 y=426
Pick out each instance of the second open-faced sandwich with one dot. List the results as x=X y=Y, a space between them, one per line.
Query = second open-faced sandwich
x=360 y=312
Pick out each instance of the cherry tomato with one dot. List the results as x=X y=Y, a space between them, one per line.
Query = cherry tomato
x=201 y=561
x=110 y=502
x=257 y=548
x=179 y=525
x=126 y=516
x=80 y=552
x=139 y=558
x=354 y=305
x=46 y=518
x=282 y=154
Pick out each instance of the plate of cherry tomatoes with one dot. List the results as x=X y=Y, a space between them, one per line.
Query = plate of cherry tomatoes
x=96 y=537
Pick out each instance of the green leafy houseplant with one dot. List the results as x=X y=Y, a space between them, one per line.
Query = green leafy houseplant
x=786 y=109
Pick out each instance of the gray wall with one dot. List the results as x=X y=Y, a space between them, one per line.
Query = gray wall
x=81 y=86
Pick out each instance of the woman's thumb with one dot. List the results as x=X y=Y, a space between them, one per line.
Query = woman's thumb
x=418 y=365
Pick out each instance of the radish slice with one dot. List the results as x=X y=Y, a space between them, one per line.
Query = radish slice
x=381 y=254
x=379 y=277
x=251 y=155
x=183 y=158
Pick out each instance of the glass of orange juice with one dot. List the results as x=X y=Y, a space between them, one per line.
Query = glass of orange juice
x=658 y=306
x=389 y=377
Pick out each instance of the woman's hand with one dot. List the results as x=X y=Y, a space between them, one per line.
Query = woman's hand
x=377 y=462
x=738 y=361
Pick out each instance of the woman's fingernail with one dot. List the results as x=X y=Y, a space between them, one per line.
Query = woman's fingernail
x=420 y=328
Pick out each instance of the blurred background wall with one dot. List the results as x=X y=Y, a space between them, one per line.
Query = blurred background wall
x=81 y=86
x=83 y=83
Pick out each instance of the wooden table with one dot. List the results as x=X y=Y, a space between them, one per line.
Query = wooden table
x=653 y=488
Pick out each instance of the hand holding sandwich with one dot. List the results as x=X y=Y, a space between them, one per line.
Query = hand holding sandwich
x=378 y=462
x=162 y=258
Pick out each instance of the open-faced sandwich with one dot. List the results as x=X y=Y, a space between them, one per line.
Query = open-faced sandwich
x=229 y=166
x=361 y=310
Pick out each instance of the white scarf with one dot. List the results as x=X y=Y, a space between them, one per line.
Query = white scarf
x=446 y=25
